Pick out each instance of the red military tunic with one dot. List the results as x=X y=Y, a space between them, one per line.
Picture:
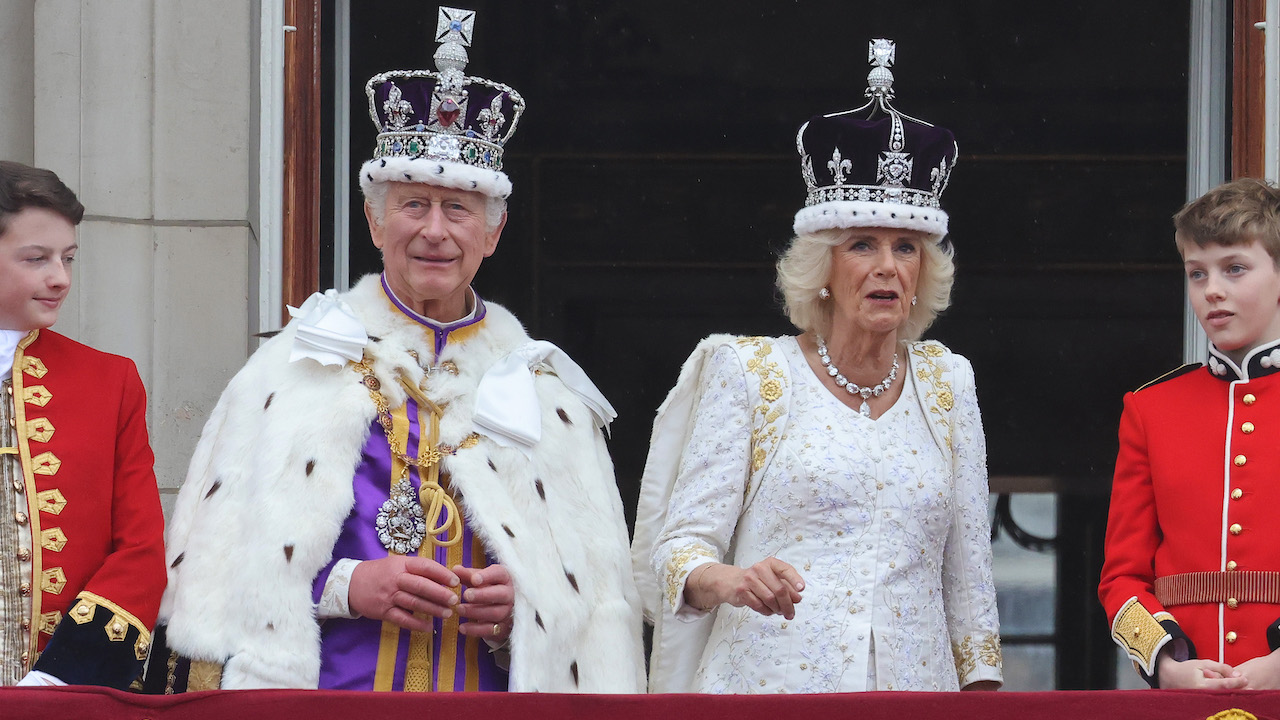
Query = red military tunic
x=96 y=527
x=1196 y=489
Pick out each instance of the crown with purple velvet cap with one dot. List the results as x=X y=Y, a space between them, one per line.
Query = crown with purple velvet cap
x=442 y=127
x=874 y=171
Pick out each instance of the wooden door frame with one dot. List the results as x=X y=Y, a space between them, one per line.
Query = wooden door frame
x=1248 y=90
x=300 y=224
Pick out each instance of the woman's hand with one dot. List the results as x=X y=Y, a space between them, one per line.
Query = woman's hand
x=487 y=603
x=1262 y=672
x=395 y=587
x=769 y=587
x=1200 y=674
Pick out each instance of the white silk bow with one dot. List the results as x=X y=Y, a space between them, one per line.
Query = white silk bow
x=507 y=407
x=328 y=331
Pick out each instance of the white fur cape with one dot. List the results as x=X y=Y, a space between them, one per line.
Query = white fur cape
x=271 y=484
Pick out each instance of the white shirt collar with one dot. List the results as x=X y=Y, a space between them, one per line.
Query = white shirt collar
x=9 y=340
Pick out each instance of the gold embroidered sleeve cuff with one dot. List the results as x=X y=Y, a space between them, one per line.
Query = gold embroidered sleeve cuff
x=978 y=658
x=1140 y=634
x=96 y=643
x=682 y=562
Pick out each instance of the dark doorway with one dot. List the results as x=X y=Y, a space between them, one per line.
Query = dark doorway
x=656 y=179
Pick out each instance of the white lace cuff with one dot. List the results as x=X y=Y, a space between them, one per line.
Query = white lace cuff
x=333 y=600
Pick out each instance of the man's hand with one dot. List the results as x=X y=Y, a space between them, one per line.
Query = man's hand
x=769 y=587
x=487 y=603
x=1201 y=674
x=1262 y=672
x=395 y=587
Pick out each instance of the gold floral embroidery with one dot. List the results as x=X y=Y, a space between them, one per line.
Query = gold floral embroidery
x=969 y=655
x=204 y=676
x=938 y=393
x=772 y=386
x=676 y=571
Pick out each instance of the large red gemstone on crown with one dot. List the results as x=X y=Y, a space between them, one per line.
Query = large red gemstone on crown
x=448 y=111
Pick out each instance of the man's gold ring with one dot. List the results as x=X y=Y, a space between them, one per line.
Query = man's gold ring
x=497 y=629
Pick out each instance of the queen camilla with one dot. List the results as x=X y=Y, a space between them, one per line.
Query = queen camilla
x=813 y=509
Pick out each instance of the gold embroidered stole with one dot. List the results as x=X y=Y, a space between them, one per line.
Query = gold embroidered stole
x=446 y=531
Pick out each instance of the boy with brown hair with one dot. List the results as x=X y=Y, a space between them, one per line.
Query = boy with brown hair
x=1191 y=580
x=81 y=546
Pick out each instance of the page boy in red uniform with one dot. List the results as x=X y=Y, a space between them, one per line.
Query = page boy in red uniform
x=1191 y=580
x=81 y=529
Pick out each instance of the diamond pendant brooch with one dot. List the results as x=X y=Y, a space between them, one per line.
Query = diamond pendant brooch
x=853 y=388
x=400 y=523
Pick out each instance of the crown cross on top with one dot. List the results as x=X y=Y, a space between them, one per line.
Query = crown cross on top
x=880 y=53
x=455 y=25
x=449 y=101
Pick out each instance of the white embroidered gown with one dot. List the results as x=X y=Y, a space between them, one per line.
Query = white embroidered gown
x=895 y=555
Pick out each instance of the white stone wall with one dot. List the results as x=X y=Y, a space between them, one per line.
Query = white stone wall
x=143 y=107
x=17 y=89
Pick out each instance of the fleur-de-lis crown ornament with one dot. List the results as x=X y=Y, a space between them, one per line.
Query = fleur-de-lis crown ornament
x=441 y=126
x=875 y=166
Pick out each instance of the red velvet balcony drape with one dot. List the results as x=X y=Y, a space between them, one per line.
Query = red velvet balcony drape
x=101 y=704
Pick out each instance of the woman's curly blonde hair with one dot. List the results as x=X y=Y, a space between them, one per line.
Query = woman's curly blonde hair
x=805 y=268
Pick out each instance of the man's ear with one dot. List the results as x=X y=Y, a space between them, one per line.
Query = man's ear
x=491 y=241
x=374 y=227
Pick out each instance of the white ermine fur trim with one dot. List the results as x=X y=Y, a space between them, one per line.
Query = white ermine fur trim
x=854 y=214
x=444 y=173
x=273 y=470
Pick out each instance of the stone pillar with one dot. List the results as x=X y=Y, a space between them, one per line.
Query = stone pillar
x=144 y=108
x=17 y=90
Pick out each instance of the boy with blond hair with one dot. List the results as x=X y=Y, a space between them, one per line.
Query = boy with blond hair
x=1191 y=580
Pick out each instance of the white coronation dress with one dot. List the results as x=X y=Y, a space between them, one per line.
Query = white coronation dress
x=895 y=553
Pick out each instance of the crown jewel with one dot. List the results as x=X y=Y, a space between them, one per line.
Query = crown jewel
x=885 y=171
x=443 y=116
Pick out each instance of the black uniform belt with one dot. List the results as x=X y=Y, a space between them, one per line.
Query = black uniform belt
x=1219 y=587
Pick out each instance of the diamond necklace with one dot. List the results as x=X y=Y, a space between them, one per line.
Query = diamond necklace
x=851 y=387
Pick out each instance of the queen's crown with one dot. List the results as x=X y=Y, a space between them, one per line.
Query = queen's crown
x=875 y=154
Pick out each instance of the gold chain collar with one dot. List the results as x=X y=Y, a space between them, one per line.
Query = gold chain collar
x=436 y=499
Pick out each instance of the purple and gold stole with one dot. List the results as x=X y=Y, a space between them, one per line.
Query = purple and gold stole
x=364 y=654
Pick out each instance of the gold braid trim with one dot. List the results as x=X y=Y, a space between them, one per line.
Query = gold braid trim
x=436 y=500
x=87 y=598
x=1141 y=635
